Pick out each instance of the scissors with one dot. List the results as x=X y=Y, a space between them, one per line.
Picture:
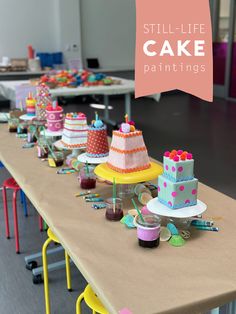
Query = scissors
x=185 y=234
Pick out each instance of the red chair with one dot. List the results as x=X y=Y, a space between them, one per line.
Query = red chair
x=11 y=184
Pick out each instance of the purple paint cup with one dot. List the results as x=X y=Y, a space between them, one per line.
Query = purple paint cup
x=148 y=231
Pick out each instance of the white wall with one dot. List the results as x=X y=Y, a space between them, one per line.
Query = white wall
x=26 y=22
x=69 y=28
x=224 y=8
x=48 y=25
x=108 y=32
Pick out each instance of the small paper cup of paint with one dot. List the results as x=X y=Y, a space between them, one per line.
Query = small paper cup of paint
x=13 y=124
x=56 y=160
x=87 y=178
x=114 y=210
x=148 y=230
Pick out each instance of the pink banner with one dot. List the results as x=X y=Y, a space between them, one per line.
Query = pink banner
x=173 y=47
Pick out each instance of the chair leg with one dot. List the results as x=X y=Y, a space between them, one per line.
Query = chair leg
x=68 y=276
x=78 y=303
x=16 y=231
x=45 y=276
x=94 y=312
x=4 y=196
x=45 y=226
x=40 y=223
x=21 y=196
x=24 y=202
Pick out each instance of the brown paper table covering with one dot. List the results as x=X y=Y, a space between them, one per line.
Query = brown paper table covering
x=187 y=280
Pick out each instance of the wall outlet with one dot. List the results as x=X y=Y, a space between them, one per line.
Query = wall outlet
x=75 y=47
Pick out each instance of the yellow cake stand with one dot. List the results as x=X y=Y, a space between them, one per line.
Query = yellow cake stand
x=104 y=172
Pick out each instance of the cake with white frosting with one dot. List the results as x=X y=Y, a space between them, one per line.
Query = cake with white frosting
x=75 y=130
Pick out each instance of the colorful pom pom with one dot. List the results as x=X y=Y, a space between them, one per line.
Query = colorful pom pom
x=132 y=128
x=189 y=156
x=179 y=152
x=172 y=156
x=167 y=154
x=176 y=158
x=125 y=128
x=131 y=123
x=174 y=152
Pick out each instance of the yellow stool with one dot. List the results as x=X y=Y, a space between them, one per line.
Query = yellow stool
x=91 y=299
x=52 y=237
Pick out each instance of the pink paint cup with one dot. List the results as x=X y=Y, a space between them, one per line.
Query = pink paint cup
x=148 y=231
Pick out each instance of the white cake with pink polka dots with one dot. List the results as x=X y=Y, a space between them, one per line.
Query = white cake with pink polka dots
x=177 y=187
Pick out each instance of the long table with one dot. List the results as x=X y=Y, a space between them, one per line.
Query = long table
x=126 y=88
x=194 y=278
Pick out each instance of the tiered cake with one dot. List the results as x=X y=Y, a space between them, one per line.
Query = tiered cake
x=44 y=99
x=30 y=105
x=177 y=187
x=75 y=130
x=97 y=144
x=128 y=152
x=54 y=115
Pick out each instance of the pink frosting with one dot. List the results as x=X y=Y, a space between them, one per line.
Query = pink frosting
x=54 y=120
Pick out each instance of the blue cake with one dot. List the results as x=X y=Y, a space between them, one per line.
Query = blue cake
x=177 y=187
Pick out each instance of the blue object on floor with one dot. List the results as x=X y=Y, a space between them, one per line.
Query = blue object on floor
x=24 y=202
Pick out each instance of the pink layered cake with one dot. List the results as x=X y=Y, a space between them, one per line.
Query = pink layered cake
x=128 y=152
x=54 y=115
x=75 y=130
x=30 y=105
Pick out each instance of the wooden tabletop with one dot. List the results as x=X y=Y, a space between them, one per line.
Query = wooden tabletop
x=191 y=279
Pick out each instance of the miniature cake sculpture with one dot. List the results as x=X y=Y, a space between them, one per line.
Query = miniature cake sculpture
x=177 y=187
x=128 y=152
x=30 y=105
x=43 y=100
x=75 y=130
x=97 y=144
x=54 y=115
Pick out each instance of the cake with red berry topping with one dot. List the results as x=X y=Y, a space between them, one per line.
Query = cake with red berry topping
x=177 y=187
x=54 y=116
x=75 y=130
x=128 y=152
x=97 y=144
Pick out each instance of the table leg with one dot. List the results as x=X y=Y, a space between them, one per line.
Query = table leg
x=128 y=105
x=106 y=118
x=106 y=104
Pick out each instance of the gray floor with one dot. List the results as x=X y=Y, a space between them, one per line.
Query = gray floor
x=18 y=294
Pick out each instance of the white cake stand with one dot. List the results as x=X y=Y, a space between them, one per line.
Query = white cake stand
x=158 y=208
x=25 y=117
x=50 y=133
x=92 y=160
x=75 y=151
